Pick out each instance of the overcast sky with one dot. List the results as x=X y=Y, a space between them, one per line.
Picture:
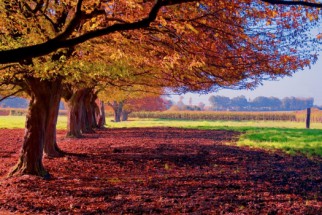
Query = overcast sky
x=306 y=83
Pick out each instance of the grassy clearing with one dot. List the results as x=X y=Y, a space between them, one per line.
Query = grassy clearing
x=290 y=140
x=11 y=122
x=287 y=136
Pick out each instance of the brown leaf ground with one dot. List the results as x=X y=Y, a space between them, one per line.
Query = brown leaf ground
x=160 y=171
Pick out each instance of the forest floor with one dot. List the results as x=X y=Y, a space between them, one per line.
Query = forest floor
x=160 y=171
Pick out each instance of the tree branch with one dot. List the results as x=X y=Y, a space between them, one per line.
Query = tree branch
x=303 y=3
x=12 y=94
x=72 y=24
x=19 y=54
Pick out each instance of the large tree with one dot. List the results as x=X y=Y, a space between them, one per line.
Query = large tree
x=186 y=45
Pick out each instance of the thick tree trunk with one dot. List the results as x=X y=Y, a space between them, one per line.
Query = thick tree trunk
x=75 y=114
x=117 y=115
x=101 y=118
x=125 y=115
x=95 y=111
x=30 y=160
x=81 y=112
x=88 y=122
x=118 y=108
x=51 y=148
x=83 y=120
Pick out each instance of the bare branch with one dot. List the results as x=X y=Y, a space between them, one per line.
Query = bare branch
x=12 y=94
x=303 y=3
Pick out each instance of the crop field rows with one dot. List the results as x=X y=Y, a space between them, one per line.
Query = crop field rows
x=297 y=116
x=294 y=116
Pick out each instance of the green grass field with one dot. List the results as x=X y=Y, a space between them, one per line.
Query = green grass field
x=19 y=122
x=290 y=137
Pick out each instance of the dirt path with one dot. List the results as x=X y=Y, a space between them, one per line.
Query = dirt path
x=160 y=171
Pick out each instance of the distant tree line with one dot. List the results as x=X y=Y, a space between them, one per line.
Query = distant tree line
x=239 y=103
x=181 y=106
x=260 y=103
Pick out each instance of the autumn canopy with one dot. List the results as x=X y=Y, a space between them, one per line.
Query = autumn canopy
x=56 y=49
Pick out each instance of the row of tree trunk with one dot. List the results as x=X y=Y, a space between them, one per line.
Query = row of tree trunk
x=84 y=115
x=120 y=114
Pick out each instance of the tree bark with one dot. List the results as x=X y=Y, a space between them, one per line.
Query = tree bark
x=117 y=108
x=82 y=110
x=75 y=114
x=125 y=115
x=95 y=110
x=42 y=95
x=117 y=115
x=89 y=122
x=51 y=148
x=85 y=122
x=101 y=118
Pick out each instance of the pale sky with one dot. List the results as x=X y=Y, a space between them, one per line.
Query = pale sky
x=306 y=83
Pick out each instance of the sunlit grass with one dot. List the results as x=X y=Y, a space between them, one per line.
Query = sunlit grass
x=290 y=137
x=290 y=140
x=11 y=122
x=62 y=122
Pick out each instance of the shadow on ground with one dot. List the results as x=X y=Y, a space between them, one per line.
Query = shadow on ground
x=165 y=171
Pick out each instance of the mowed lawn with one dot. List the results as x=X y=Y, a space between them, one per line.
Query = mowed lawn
x=291 y=137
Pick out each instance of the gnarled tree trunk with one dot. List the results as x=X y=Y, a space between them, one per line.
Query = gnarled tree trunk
x=82 y=111
x=117 y=108
x=89 y=122
x=101 y=117
x=51 y=148
x=75 y=114
x=118 y=112
x=95 y=110
x=125 y=115
x=42 y=95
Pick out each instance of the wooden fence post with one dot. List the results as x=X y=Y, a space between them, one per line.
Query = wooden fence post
x=308 y=117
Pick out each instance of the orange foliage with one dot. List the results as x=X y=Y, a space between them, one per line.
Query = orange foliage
x=189 y=45
x=150 y=103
